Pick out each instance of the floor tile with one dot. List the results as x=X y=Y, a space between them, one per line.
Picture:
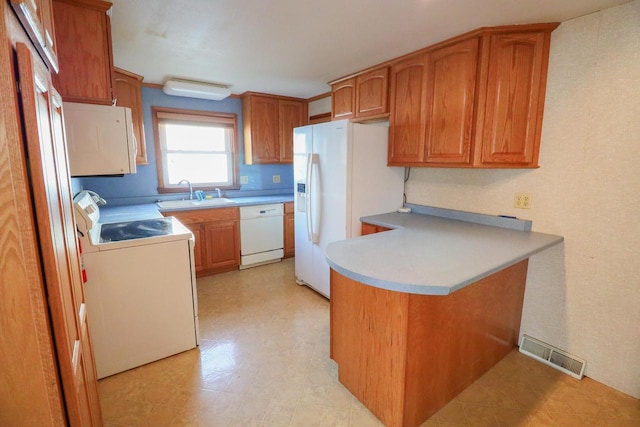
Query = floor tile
x=263 y=361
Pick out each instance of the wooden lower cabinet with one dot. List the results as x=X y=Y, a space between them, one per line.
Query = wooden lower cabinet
x=405 y=356
x=217 y=234
x=372 y=229
x=289 y=231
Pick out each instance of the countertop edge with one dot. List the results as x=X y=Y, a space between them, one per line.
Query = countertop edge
x=399 y=221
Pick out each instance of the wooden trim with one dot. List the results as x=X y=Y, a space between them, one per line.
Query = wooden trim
x=405 y=356
x=94 y=4
x=128 y=73
x=321 y=96
x=270 y=95
x=31 y=392
x=162 y=188
x=320 y=118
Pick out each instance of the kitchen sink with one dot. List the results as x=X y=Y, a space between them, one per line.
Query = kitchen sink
x=185 y=204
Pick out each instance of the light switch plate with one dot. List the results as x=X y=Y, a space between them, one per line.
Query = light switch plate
x=244 y=179
x=276 y=179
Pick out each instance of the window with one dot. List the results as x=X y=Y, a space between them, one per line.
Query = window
x=198 y=146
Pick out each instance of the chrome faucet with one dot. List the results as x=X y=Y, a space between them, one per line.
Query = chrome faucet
x=190 y=188
x=219 y=193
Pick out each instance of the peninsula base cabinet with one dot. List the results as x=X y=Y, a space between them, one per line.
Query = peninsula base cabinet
x=405 y=356
x=217 y=234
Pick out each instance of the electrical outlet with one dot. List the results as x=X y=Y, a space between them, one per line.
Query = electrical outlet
x=276 y=179
x=244 y=179
x=522 y=201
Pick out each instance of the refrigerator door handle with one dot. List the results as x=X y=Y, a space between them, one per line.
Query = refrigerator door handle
x=313 y=204
x=307 y=199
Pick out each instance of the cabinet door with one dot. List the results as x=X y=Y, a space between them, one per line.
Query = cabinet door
x=291 y=115
x=343 y=99
x=407 y=119
x=53 y=210
x=83 y=32
x=200 y=249
x=128 y=92
x=451 y=87
x=36 y=17
x=515 y=88
x=372 y=93
x=264 y=138
x=223 y=244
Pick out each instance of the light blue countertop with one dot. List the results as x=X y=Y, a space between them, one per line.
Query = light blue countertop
x=150 y=210
x=432 y=255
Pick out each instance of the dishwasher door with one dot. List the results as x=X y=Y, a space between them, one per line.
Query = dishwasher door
x=261 y=234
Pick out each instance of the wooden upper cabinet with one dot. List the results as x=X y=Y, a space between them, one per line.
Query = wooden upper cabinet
x=291 y=115
x=407 y=119
x=472 y=101
x=128 y=92
x=36 y=17
x=363 y=96
x=516 y=83
x=450 y=91
x=372 y=93
x=268 y=127
x=343 y=99
x=83 y=33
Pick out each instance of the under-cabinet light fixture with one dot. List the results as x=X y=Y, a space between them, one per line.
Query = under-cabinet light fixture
x=193 y=89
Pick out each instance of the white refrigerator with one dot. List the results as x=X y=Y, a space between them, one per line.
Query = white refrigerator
x=340 y=174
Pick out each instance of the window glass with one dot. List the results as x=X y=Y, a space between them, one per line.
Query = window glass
x=200 y=147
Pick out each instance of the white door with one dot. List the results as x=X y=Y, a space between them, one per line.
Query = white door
x=330 y=144
x=302 y=147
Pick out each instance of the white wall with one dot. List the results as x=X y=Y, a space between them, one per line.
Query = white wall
x=583 y=296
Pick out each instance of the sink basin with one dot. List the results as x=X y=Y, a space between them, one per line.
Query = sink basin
x=190 y=204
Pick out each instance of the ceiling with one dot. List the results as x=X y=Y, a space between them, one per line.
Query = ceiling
x=294 y=47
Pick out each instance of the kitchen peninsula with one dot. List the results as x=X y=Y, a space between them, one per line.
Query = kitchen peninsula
x=420 y=312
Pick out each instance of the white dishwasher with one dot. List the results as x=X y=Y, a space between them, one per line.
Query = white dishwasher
x=261 y=234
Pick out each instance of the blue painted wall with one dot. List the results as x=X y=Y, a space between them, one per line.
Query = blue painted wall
x=142 y=187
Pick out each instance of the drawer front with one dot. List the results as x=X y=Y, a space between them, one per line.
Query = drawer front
x=205 y=215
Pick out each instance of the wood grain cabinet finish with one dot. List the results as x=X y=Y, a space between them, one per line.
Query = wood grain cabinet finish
x=217 y=235
x=53 y=214
x=268 y=127
x=433 y=106
x=128 y=92
x=363 y=96
x=367 y=228
x=516 y=84
x=83 y=33
x=289 y=230
x=408 y=105
x=472 y=101
x=343 y=99
x=372 y=93
x=450 y=102
x=36 y=17
x=405 y=356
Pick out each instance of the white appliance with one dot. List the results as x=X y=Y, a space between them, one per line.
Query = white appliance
x=100 y=139
x=261 y=234
x=340 y=174
x=140 y=290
